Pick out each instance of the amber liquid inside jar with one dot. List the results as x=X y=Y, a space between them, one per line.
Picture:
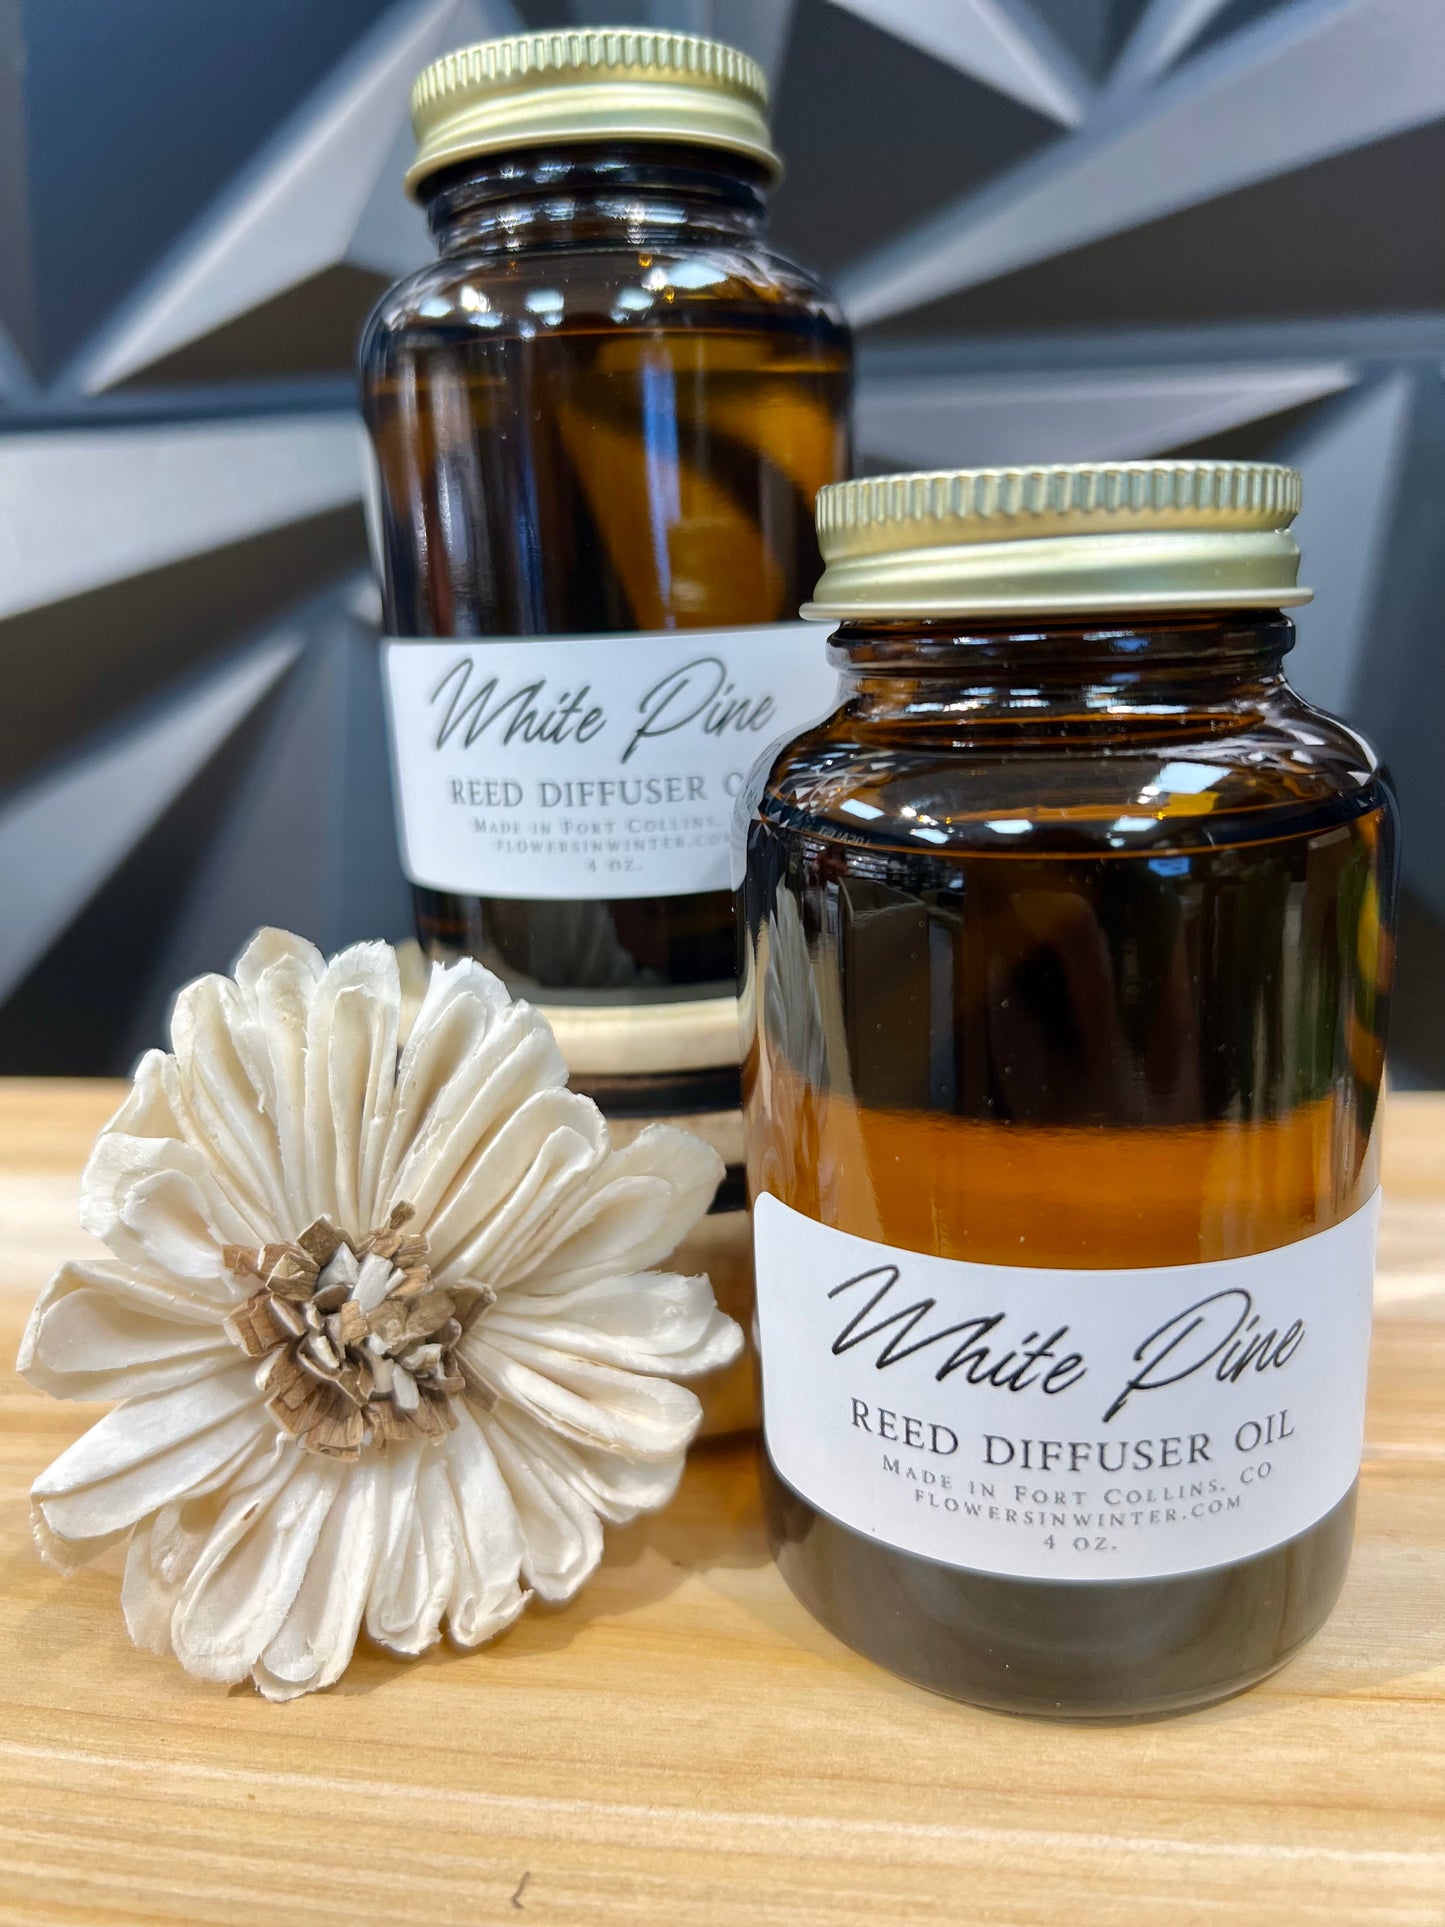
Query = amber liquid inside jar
x=606 y=409
x=1068 y=945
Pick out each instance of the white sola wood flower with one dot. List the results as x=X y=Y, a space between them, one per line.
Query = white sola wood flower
x=380 y=1315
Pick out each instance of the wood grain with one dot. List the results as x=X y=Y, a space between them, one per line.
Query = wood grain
x=685 y=1746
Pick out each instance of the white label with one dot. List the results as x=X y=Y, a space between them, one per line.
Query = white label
x=1065 y=1424
x=589 y=766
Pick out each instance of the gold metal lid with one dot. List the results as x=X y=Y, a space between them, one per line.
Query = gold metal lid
x=604 y=83
x=1037 y=541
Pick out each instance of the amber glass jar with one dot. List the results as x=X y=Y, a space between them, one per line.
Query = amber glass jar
x=600 y=421
x=1067 y=947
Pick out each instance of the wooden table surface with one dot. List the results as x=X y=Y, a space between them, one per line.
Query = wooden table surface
x=684 y=1745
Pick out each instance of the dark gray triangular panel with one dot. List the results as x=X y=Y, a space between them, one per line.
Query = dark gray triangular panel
x=73 y=665
x=138 y=115
x=1095 y=31
x=309 y=330
x=1312 y=81
x=1228 y=18
x=317 y=757
x=1350 y=456
x=1399 y=694
x=1366 y=233
x=63 y=834
x=19 y=318
x=946 y=132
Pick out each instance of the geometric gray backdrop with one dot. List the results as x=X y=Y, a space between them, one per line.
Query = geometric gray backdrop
x=1063 y=228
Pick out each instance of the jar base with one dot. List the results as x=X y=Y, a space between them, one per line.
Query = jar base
x=1118 y=1653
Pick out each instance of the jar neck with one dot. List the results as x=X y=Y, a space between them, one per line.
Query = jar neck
x=623 y=194
x=1026 y=668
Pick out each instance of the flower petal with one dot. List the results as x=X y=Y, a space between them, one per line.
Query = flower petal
x=151 y=1451
x=318 y=1636
x=486 y=1596
x=162 y=1555
x=415 y=973
x=639 y=1204
x=500 y=1209
x=98 y=1331
x=148 y=1108
x=652 y=1321
x=278 y=974
x=412 y=1584
x=156 y=1204
x=616 y=1486
x=561 y=1533
x=590 y=1404
x=385 y=1615
x=271 y=949
x=248 y=1574
x=224 y=1111
x=68 y=1555
x=470 y=1060
x=350 y=1074
x=152 y=1293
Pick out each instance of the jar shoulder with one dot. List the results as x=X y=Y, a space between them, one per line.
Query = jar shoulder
x=907 y=780
x=486 y=295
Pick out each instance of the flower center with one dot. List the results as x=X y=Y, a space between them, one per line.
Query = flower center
x=356 y=1342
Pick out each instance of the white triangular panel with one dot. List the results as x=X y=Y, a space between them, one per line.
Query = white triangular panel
x=296 y=212
x=1312 y=81
x=997 y=41
x=64 y=835
x=1351 y=465
x=985 y=419
x=1167 y=29
x=390 y=234
x=83 y=507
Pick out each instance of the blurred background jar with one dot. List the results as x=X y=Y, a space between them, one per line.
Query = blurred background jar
x=600 y=421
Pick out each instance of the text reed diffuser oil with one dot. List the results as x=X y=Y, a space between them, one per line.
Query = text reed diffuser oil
x=1068 y=943
x=600 y=421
